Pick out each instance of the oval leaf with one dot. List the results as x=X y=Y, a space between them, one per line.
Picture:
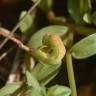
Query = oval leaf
x=32 y=81
x=45 y=73
x=84 y=48
x=27 y=21
x=58 y=90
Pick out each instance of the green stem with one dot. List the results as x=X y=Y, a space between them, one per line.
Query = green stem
x=79 y=29
x=71 y=74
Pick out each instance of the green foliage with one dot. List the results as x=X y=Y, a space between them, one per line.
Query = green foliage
x=84 y=48
x=26 y=23
x=58 y=90
x=34 y=88
x=32 y=82
x=83 y=14
x=90 y=18
x=45 y=72
x=87 y=18
x=9 y=89
x=77 y=8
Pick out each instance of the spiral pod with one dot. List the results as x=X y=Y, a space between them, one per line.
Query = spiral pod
x=52 y=50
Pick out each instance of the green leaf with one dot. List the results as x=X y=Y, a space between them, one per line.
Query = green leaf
x=84 y=48
x=45 y=72
x=36 y=39
x=44 y=93
x=35 y=93
x=26 y=23
x=9 y=89
x=32 y=81
x=90 y=17
x=34 y=88
x=87 y=18
x=31 y=92
x=77 y=8
x=58 y=90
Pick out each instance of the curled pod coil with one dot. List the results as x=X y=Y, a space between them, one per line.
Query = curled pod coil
x=52 y=51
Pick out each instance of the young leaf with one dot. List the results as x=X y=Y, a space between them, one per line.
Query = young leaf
x=45 y=73
x=36 y=39
x=84 y=48
x=31 y=92
x=58 y=90
x=26 y=23
x=9 y=89
x=32 y=82
x=87 y=17
x=90 y=17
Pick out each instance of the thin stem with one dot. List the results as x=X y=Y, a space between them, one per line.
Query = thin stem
x=6 y=34
x=13 y=73
x=71 y=74
x=18 y=24
x=79 y=29
x=2 y=56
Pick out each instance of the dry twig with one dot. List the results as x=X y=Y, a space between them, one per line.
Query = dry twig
x=18 y=24
x=6 y=53
x=13 y=74
x=7 y=34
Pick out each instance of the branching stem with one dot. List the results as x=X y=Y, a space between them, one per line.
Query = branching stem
x=18 y=24
x=7 y=34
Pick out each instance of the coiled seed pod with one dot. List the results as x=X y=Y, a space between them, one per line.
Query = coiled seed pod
x=52 y=51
